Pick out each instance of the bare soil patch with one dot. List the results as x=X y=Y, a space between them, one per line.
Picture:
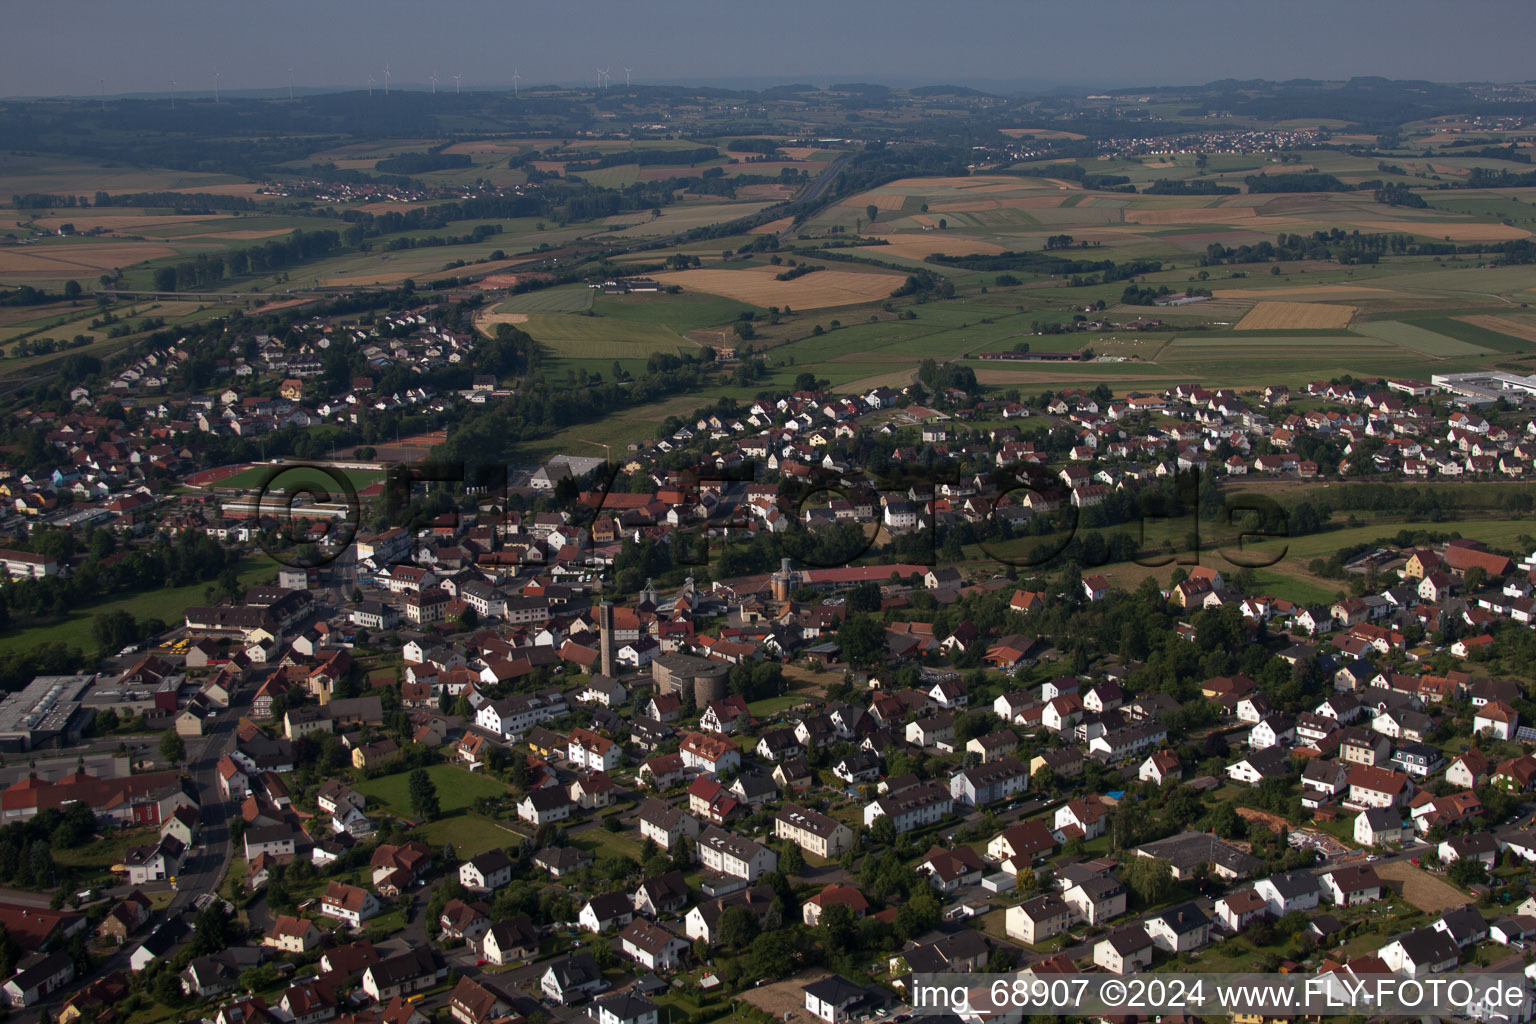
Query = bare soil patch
x=785 y=1000
x=487 y=319
x=1422 y=889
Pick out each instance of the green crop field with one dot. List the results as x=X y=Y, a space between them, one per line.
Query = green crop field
x=457 y=789
x=575 y=298
x=689 y=311
x=586 y=337
x=1481 y=337
x=1419 y=338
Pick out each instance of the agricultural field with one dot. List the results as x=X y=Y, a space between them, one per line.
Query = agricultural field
x=574 y=298
x=1277 y=316
x=591 y=337
x=759 y=286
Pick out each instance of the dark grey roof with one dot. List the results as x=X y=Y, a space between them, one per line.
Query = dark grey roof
x=1184 y=918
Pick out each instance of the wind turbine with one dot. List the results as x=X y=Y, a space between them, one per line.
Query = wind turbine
x=434 y=83
x=216 y=87
x=370 y=85
x=173 y=94
x=515 y=77
x=456 y=84
x=626 y=77
x=386 y=78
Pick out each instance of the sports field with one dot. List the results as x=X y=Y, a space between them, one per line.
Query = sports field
x=298 y=477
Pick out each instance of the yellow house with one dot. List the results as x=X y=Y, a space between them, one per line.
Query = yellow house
x=371 y=755
x=1421 y=564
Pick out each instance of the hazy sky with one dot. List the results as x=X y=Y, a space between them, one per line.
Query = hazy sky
x=61 y=47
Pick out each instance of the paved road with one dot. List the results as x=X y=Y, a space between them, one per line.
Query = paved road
x=202 y=871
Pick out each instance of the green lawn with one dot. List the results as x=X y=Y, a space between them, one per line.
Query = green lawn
x=770 y=706
x=168 y=604
x=457 y=789
x=602 y=843
x=471 y=834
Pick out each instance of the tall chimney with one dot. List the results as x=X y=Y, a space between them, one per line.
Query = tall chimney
x=605 y=638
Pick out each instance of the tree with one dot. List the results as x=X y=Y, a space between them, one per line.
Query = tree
x=862 y=639
x=172 y=748
x=791 y=861
x=1149 y=878
x=423 y=795
x=872 y=212
x=738 y=927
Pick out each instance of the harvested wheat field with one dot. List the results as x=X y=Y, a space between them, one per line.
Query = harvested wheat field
x=1337 y=290
x=1198 y=215
x=916 y=247
x=273 y=307
x=1422 y=889
x=883 y=201
x=1502 y=325
x=759 y=286
x=386 y=206
x=1015 y=203
x=496 y=146
x=773 y=227
x=1041 y=133
x=37 y=261
x=249 y=189
x=1284 y=316
x=244 y=233
x=769 y=192
x=1078 y=372
x=1458 y=231
x=119 y=223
